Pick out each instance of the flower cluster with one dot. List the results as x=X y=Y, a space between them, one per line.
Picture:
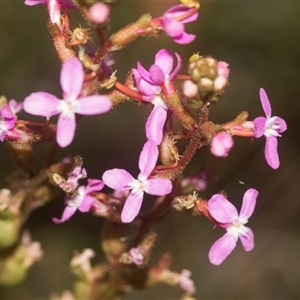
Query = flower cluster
x=181 y=111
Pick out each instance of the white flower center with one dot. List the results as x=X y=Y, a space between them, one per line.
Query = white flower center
x=68 y=107
x=238 y=228
x=159 y=102
x=272 y=127
x=139 y=185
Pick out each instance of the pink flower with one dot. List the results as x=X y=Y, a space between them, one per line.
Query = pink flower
x=120 y=179
x=83 y=201
x=221 y=144
x=7 y=121
x=185 y=282
x=47 y=105
x=136 y=255
x=174 y=28
x=150 y=83
x=53 y=6
x=271 y=128
x=227 y=217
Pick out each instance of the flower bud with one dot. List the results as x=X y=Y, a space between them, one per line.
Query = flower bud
x=98 y=13
x=198 y=181
x=168 y=151
x=204 y=67
x=223 y=69
x=9 y=229
x=210 y=76
x=190 y=89
x=14 y=265
x=220 y=84
x=221 y=144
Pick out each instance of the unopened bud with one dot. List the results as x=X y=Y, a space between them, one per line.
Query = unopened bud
x=98 y=13
x=168 y=151
x=204 y=67
x=9 y=229
x=223 y=69
x=13 y=267
x=190 y=89
x=221 y=144
x=220 y=84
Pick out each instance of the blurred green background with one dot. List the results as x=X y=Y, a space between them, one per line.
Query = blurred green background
x=260 y=40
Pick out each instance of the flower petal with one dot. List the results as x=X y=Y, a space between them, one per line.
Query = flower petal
x=155 y=124
x=172 y=27
x=54 y=11
x=164 y=60
x=71 y=77
x=221 y=209
x=178 y=66
x=7 y=116
x=144 y=86
x=41 y=104
x=157 y=75
x=117 y=179
x=282 y=125
x=221 y=249
x=149 y=89
x=247 y=240
x=93 y=105
x=148 y=158
x=143 y=72
x=249 y=202
x=158 y=186
x=86 y=204
x=94 y=185
x=259 y=124
x=131 y=207
x=68 y=212
x=271 y=154
x=265 y=102
x=66 y=126
x=184 y=38
x=35 y=2
x=178 y=10
x=191 y=18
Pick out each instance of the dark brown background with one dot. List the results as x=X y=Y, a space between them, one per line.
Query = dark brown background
x=260 y=41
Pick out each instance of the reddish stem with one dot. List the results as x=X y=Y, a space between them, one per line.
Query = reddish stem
x=23 y=122
x=183 y=77
x=238 y=130
x=129 y=92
